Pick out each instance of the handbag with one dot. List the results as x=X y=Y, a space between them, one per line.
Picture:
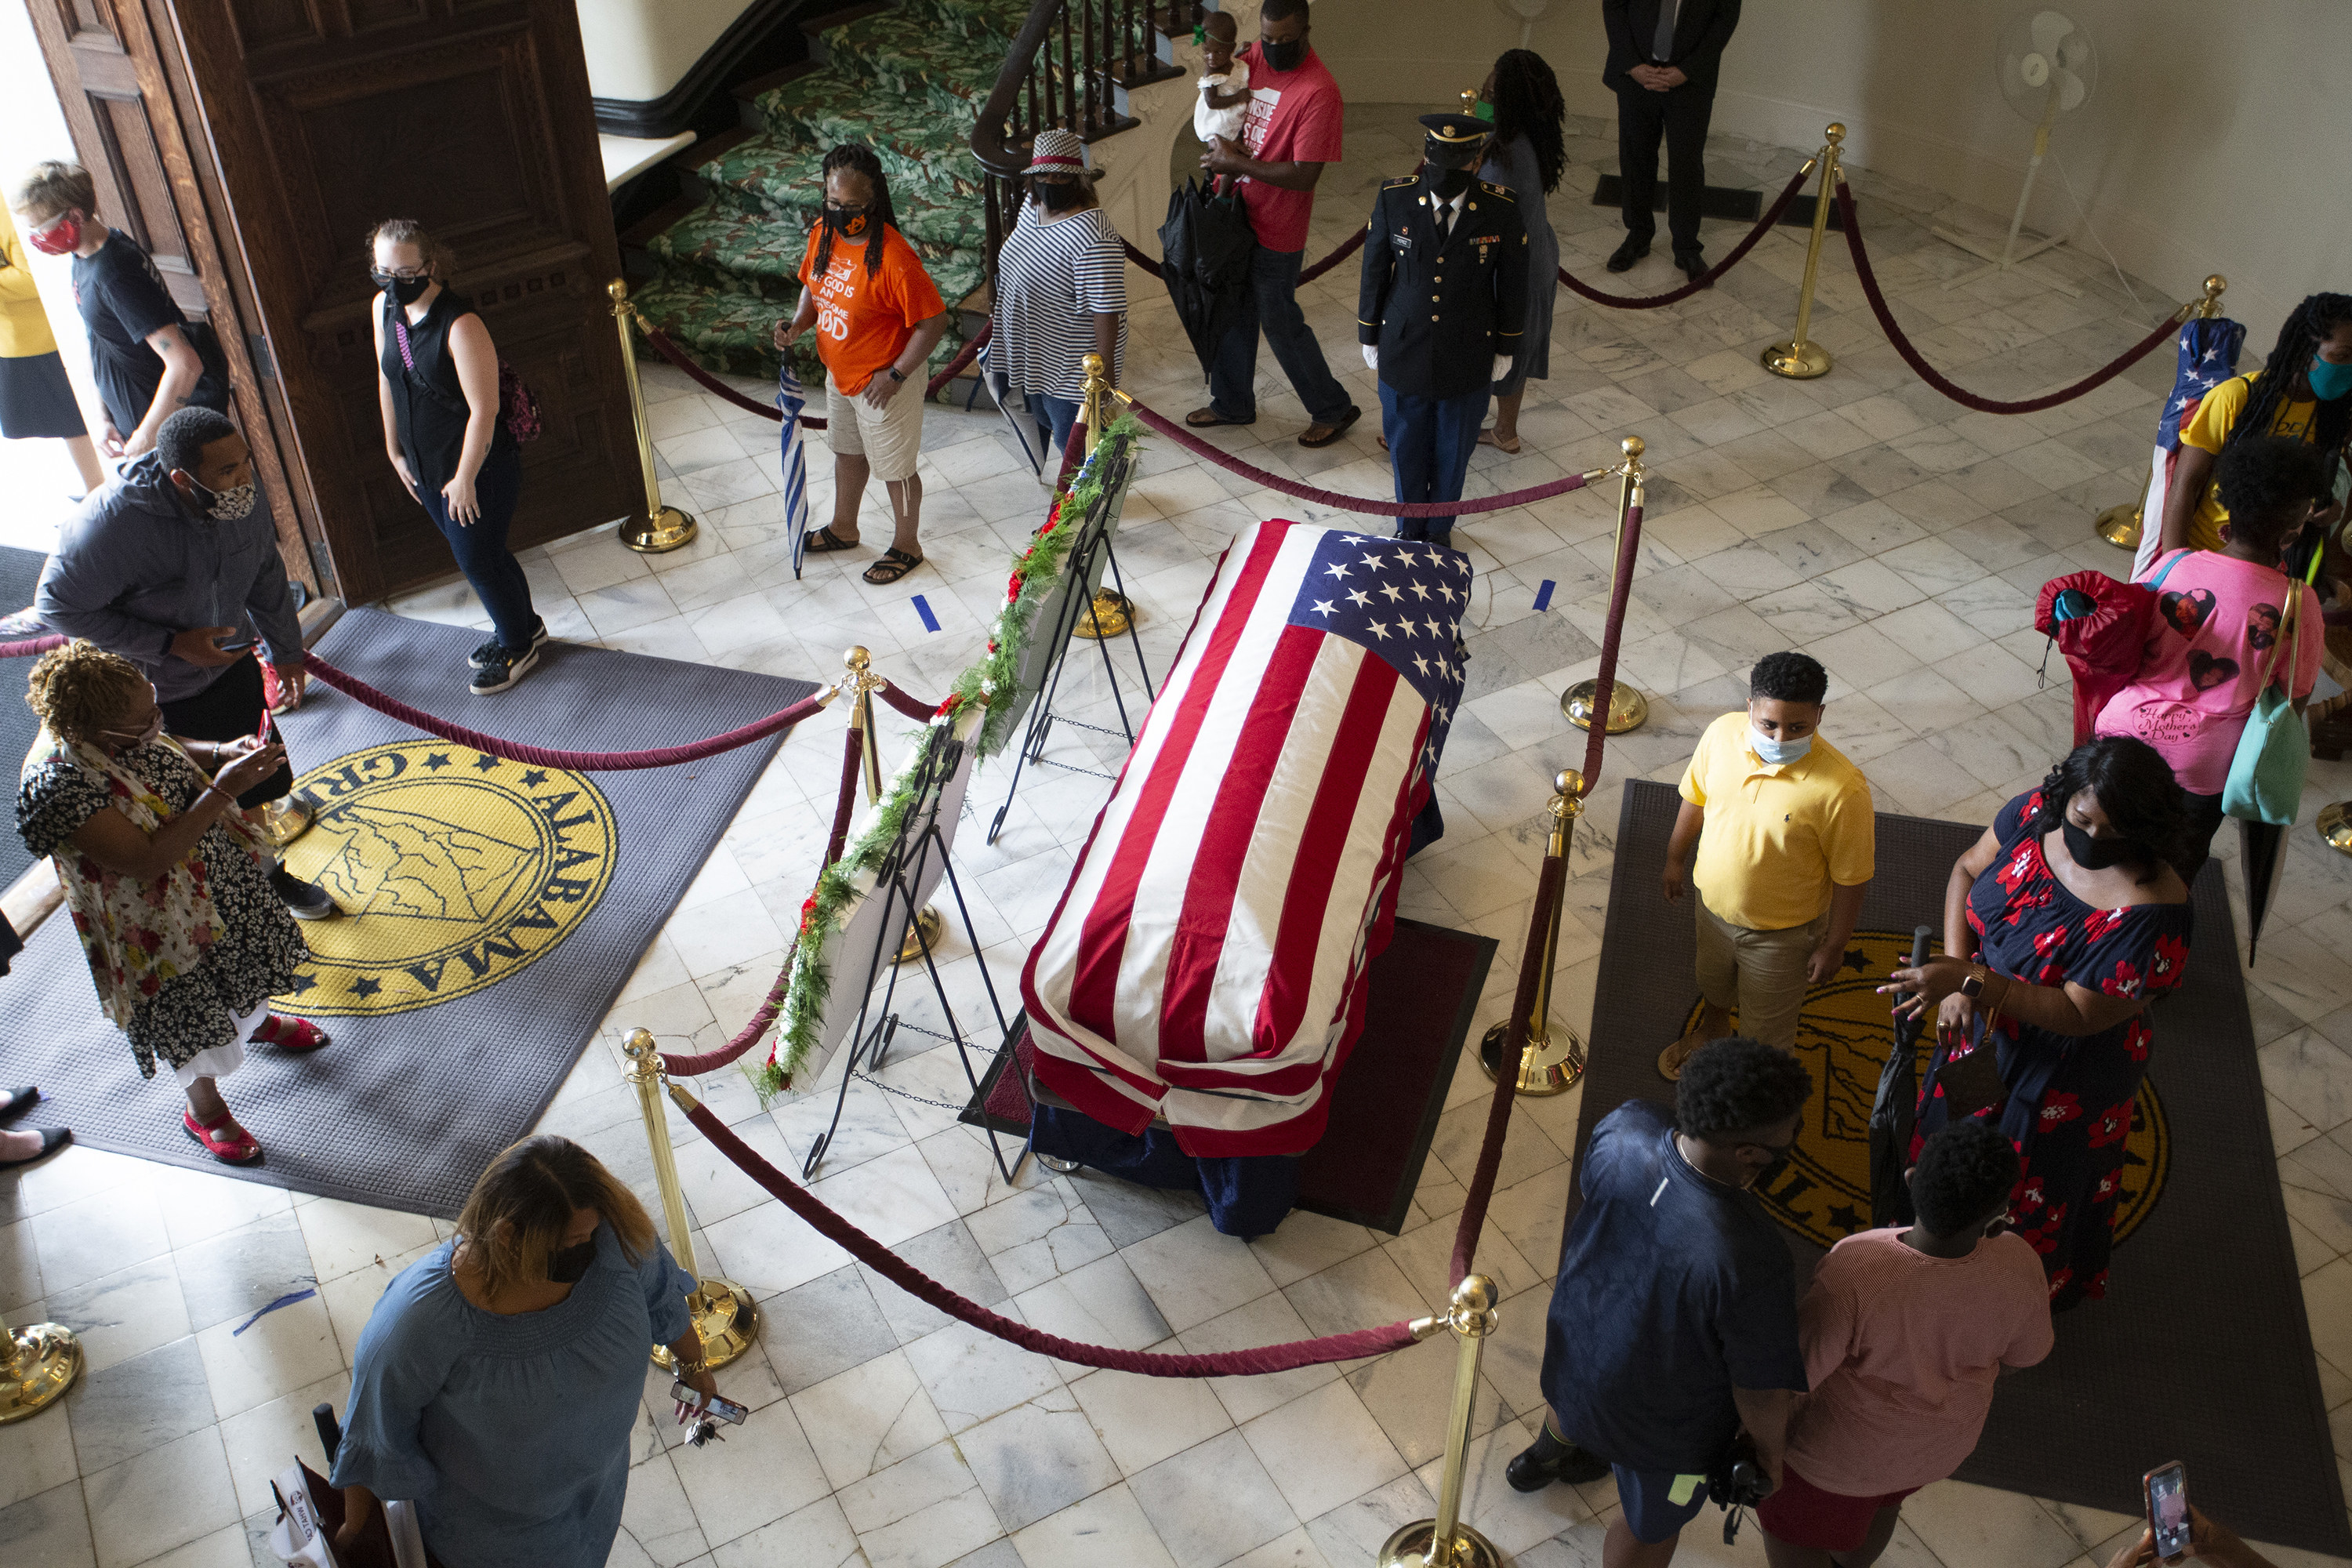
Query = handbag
x=517 y=404
x=2274 y=749
x=1972 y=1082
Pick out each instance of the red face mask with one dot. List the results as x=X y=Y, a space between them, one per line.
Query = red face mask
x=59 y=238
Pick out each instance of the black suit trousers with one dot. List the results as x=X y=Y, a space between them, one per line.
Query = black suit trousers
x=1679 y=118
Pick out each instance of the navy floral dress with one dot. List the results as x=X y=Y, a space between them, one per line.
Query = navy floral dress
x=2069 y=1106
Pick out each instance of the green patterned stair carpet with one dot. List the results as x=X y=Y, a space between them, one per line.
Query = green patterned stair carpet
x=910 y=82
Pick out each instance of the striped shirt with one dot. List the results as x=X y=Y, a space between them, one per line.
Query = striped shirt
x=1051 y=279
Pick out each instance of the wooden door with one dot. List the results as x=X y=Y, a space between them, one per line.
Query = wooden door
x=474 y=118
x=114 y=74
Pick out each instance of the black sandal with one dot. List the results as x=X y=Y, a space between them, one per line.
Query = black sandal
x=824 y=542
x=52 y=1140
x=1196 y=420
x=893 y=564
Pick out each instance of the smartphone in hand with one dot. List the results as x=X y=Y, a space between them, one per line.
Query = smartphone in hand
x=2167 y=1508
x=724 y=1409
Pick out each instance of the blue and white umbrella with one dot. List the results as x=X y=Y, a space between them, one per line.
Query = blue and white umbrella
x=790 y=398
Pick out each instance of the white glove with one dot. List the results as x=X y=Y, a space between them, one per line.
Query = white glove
x=1502 y=367
x=1371 y=357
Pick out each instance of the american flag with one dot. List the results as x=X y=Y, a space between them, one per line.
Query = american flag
x=2208 y=356
x=1206 y=961
x=790 y=398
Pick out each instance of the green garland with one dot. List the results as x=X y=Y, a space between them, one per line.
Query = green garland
x=1036 y=577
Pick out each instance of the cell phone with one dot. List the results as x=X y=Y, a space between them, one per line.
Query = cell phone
x=725 y=1409
x=2167 y=1508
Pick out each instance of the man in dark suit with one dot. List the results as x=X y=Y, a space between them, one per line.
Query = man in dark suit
x=1662 y=59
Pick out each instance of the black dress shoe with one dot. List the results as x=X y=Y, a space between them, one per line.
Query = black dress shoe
x=1693 y=265
x=52 y=1140
x=1548 y=1459
x=1636 y=247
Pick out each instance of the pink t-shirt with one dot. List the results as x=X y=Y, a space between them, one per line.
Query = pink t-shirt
x=1902 y=1351
x=1295 y=117
x=2217 y=637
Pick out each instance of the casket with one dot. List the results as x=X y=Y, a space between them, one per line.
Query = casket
x=1205 y=964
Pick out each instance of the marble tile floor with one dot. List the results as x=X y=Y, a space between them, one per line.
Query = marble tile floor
x=1861 y=517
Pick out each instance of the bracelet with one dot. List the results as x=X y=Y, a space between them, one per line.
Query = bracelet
x=700 y=1364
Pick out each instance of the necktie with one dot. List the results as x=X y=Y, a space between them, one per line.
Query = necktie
x=1661 y=48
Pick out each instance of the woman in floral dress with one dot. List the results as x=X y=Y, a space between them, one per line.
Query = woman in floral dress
x=2061 y=925
x=168 y=885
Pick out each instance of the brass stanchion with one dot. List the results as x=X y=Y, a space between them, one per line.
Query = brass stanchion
x=1796 y=359
x=2123 y=526
x=662 y=529
x=1627 y=707
x=38 y=1364
x=1113 y=612
x=723 y=1311
x=862 y=683
x=1554 y=1058
x=1446 y=1541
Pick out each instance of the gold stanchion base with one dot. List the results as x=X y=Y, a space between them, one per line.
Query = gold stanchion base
x=1409 y=1548
x=2336 y=825
x=1112 y=614
x=726 y=1318
x=1798 y=362
x=2119 y=526
x=667 y=529
x=926 y=928
x=283 y=820
x=1627 y=707
x=46 y=1360
x=1545 y=1068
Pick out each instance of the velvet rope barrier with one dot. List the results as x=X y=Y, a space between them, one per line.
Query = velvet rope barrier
x=394 y=708
x=709 y=383
x=1962 y=394
x=923 y=1288
x=845 y=802
x=921 y=712
x=1507 y=1068
x=1200 y=448
x=1612 y=631
x=34 y=645
x=1704 y=279
x=1348 y=247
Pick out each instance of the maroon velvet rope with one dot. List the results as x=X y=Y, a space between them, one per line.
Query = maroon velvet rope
x=27 y=649
x=1962 y=394
x=1704 y=279
x=547 y=757
x=1348 y=247
x=1227 y=461
x=1612 y=630
x=923 y=1288
x=921 y=712
x=676 y=356
x=1506 y=1069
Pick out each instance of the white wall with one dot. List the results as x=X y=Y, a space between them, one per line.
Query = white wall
x=639 y=50
x=2212 y=142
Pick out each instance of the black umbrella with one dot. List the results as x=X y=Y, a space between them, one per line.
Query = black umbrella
x=1894 y=1111
x=1205 y=250
x=2261 y=849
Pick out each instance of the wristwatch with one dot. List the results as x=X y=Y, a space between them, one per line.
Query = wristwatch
x=897 y=374
x=1973 y=986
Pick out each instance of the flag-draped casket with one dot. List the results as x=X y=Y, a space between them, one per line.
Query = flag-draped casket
x=1206 y=962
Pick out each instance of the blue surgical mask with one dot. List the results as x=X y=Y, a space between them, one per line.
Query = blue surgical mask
x=1775 y=751
x=2329 y=382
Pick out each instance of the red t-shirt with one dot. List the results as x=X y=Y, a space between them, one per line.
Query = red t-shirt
x=1293 y=117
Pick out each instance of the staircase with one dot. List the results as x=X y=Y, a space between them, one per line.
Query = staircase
x=907 y=78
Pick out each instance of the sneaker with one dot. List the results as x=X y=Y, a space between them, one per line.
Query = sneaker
x=505 y=668
x=303 y=900
x=487 y=654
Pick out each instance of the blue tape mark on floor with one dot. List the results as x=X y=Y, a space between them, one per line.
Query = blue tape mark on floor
x=286 y=1301
x=931 y=621
x=1543 y=596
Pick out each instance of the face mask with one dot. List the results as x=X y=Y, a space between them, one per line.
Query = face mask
x=848 y=221
x=569 y=1265
x=1484 y=110
x=144 y=737
x=59 y=238
x=1447 y=183
x=404 y=289
x=2095 y=853
x=2329 y=382
x=1283 y=57
x=1775 y=751
x=227 y=506
x=1059 y=195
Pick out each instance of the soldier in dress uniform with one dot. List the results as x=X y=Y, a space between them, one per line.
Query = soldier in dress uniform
x=1442 y=305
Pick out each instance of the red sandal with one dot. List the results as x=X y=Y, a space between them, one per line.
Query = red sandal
x=300 y=1034
x=224 y=1140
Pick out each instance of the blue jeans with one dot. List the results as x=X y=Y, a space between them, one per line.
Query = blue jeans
x=481 y=550
x=1055 y=416
x=1273 y=302
x=1430 y=443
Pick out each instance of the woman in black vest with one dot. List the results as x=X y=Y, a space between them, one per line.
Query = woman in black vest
x=439 y=389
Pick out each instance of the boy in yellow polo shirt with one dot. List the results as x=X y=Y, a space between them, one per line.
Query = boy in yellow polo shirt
x=1789 y=845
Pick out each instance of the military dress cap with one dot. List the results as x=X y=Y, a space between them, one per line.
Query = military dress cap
x=1453 y=137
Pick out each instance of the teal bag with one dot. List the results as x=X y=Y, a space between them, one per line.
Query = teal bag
x=2274 y=752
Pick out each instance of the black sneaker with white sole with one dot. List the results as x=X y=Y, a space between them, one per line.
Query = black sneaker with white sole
x=303 y=900
x=488 y=653
x=506 y=667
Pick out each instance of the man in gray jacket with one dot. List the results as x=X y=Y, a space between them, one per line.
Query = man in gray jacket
x=175 y=567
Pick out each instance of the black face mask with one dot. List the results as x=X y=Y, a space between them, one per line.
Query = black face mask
x=2095 y=853
x=1059 y=196
x=569 y=1265
x=1447 y=183
x=402 y=290
x=850 y=221
x=1283 y=57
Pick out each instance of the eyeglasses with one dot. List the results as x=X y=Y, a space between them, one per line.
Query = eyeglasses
x=402 y=273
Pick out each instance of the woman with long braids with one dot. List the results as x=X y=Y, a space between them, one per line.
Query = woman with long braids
x=2061 y=925
x=2303 y=392
x=877 y=316
x=1526 y=156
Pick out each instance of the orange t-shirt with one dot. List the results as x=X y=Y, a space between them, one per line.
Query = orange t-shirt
x=862 y=324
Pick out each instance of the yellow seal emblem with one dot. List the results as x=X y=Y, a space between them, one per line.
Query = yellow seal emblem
x=1843 y=1038
x=453 y=871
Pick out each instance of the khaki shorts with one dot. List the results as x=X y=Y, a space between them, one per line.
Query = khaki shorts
x=1760 y=973
x=890 y=440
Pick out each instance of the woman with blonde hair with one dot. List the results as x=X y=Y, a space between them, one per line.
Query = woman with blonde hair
x=168 y=885
x=497 y=1382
